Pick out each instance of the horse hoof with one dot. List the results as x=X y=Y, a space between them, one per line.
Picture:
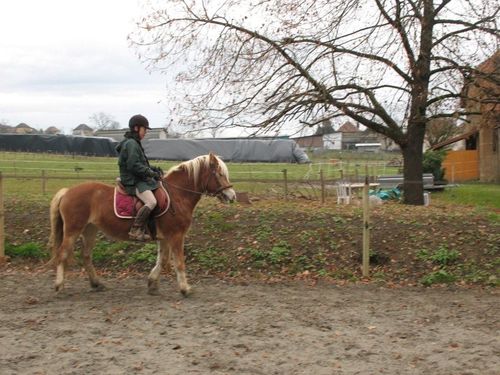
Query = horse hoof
x=186 y=292
x=58 y=288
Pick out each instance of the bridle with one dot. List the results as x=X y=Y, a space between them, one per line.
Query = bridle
x=205 y=191
x=213 y=173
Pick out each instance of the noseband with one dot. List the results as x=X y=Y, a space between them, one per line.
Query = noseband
x=219 y=190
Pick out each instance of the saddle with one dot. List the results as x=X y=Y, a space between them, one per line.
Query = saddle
x=126 y=206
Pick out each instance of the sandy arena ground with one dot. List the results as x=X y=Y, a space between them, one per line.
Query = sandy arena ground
x=244 y=328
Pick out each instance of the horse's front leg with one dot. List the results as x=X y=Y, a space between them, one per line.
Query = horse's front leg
x=161 y=260
x=177 y=253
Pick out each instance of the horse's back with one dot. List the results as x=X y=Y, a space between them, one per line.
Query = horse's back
x=89 y=189
x=84 y=199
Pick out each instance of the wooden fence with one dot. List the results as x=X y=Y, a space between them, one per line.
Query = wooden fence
x=461 y=166
x=320 y=187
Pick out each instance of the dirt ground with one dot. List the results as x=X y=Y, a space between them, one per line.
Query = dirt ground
x=243 y=328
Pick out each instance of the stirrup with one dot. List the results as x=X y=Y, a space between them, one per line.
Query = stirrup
x=141 y=236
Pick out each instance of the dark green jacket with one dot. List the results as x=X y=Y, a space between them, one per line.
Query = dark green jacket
x=135 y=170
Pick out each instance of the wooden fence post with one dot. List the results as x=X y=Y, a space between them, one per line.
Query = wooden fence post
x=44 y=183
x=285 y=177
x=2 y=234
x=366 y=229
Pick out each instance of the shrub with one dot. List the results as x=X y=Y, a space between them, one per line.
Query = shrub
x=432 y=162
x=438 y=277
x=442 y=256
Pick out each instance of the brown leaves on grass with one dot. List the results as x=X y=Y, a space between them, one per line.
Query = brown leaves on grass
x=297 y=239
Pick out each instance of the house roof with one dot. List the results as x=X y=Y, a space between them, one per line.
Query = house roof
x=83 y=127
x=484 y=83
x=52 y=129
x=22 y=125
x=491 y=64
x=348 y=127
x=449 y=141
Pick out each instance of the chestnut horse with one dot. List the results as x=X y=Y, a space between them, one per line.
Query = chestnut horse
x=86 y=208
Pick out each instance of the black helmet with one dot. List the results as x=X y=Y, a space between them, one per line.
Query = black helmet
x=138 y=120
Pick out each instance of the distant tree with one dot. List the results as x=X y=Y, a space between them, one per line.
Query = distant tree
x=441 y=129
x=390 y=65
x=104 y=121
x=325 y=128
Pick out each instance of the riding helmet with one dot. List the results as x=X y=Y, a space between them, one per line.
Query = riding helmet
x=138 y=120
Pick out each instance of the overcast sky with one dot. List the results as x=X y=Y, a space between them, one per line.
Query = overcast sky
x=62 y=61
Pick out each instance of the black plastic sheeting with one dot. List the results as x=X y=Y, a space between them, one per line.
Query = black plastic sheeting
x=236 y=150
x=60 y=144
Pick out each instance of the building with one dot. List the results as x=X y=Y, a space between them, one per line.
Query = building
x=482 y=91
x=5 y=129
x=23 y=128
x=52 y=130
x=310 y=141
x=84 y=130
x=347 y=137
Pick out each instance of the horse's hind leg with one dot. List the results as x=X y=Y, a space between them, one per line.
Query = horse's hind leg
x=65 y=249
x=88 y=238
x=161 y=260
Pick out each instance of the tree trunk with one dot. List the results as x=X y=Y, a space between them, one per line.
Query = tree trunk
x=413 y=186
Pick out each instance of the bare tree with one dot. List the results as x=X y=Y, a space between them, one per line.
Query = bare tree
x=390 y=65
x=104 y=121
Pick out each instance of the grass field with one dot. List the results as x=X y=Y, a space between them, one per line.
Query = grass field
x=257 y=178
x=472 y=194
x=332 y=164
x=67 y=170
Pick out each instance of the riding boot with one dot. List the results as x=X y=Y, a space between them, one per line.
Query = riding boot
x=138 y=229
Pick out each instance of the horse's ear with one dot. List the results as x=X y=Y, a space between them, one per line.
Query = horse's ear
x=212 y=160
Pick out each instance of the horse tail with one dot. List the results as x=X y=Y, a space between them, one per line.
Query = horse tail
x=56 y=226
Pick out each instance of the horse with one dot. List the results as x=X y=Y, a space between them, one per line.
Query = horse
x=84 y=209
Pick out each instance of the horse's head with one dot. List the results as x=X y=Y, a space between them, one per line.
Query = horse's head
x=218 y=184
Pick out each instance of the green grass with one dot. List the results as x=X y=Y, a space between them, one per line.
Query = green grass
x=68 y=170
x=105 y=168
x=472 y=194
x=210 y=258
x=145 y=255
x=27 y=250
x=442 y=256
x=438 y=277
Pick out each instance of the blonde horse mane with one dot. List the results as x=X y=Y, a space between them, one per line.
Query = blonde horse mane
x=193 y=166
